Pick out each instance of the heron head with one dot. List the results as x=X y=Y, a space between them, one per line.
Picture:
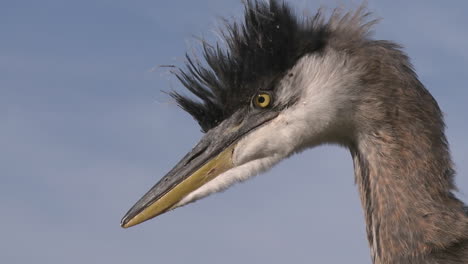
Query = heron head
x=279 y=87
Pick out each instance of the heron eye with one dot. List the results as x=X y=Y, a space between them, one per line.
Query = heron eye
x=262 y=100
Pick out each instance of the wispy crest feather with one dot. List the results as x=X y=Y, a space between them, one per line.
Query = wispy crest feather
x=257 y=53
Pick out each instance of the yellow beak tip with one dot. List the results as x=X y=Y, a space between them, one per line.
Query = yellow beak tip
x=219 y=164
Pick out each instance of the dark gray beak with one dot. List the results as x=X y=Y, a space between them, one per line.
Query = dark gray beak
x=212 y=156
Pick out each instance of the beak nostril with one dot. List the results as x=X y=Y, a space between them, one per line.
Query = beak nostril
x=194 y=156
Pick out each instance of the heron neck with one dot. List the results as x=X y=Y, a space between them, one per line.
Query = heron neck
x=405 y=179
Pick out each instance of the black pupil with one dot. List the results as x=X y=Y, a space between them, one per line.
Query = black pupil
x=261 y=99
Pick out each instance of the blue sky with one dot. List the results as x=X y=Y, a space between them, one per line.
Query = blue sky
x=86 y=131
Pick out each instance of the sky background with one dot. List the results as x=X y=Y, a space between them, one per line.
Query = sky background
x=86 y=130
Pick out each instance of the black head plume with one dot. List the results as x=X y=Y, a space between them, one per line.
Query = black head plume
x=259 y=51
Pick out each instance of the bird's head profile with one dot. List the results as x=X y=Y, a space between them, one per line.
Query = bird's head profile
x=279 y=84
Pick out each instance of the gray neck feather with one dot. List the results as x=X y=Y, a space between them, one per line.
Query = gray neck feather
x=409 y=208
x=404 y=172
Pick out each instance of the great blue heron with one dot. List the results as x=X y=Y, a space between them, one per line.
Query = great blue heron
x=284 y=85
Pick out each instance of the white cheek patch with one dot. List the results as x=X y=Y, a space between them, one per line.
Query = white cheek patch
x=325 y=89
x=273 y=138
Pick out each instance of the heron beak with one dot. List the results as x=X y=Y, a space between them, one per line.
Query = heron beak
x=212 y=156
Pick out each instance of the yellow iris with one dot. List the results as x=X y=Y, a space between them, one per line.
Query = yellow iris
x=262 y=100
